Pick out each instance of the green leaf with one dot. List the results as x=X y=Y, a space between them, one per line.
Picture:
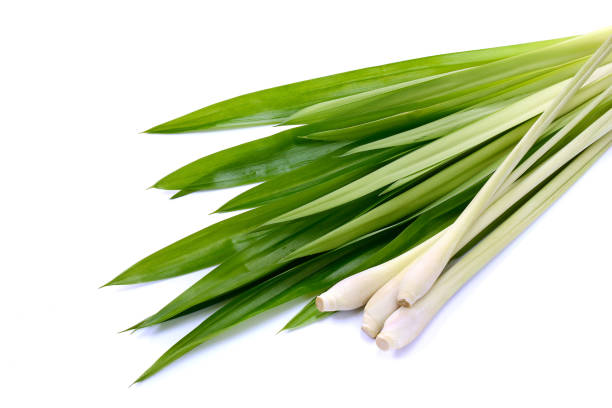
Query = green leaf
x=499 y=91
x=209 y=246
x=247 y=163
x=308 y=315
x=437 y=128
x=520 y=85
x=273 y=105
x=455 y=83
x=261 y=159
x=184 y=256
x=261 y=259
x=271 y=293
x=444 y=149
x=434 y=129
x=321 y=170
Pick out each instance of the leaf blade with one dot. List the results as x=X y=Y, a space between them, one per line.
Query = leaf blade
x=273 y=105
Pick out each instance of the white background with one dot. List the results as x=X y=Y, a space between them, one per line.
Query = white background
x=79 y=81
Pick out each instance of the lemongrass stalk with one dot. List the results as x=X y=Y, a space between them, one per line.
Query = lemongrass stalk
x=531 y=160
x=354 y=291
x=384 y=301
x=440 y=127
x=380 y=306
x=406 y=323
x=426 y=269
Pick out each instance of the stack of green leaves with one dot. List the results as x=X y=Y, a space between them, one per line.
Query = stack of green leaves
x=383 y=159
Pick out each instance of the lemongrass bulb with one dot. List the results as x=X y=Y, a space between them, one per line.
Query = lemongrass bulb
x=406 y=323
x=380 y=306
x=423 y=272
x=403 y=326
x=354 y=291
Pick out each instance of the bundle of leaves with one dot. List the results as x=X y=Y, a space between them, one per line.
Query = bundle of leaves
x=383 y=159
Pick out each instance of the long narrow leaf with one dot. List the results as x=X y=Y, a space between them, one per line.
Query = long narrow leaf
x=258 y=261
x=502 y=90
x=456 y=83
x=452 y=145
x=321 y=170
x=273 y=105
x=247 y=163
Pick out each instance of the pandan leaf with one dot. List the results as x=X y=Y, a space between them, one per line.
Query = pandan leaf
x=261 y=159
x=247 y=163
x=214 y=244
x=501 y=90
x=182 y=257
x=273 y=105
x=432 y=130
x=445 y=148
x=321 y=170
x=259 y=260
x=307 y=315
x=456 y=83
x=520 y=85
x=265 y=296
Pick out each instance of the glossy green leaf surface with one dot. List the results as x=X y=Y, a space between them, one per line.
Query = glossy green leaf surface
x=259 y=260
x=264 y=158
x=247 y=163
x=307 y=315
x=265 y=296
x=273 y=105
x=321 y=170
x=456 y=83
x=445 y=148
x=213 y=244
x=501 y=90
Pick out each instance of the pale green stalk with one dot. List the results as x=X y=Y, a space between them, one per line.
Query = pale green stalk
x=425 y=270
x=531 y=160
x=558 y=124
x=406 y=323
x=437 y=128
